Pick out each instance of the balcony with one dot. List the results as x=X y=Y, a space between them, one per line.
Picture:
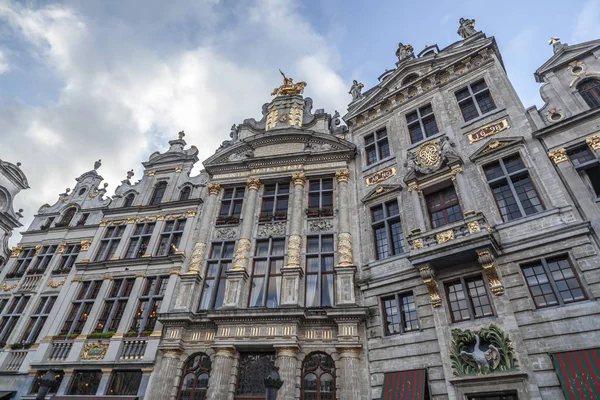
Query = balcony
x=30 y=283
x=60 y=351
x=14 y=360
x=133 y=349
x=453 y=241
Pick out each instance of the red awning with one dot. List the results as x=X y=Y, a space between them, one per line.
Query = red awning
x=579 y=373
x=404 y=385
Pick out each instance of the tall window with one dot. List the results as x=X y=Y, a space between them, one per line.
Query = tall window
x=138 y=243
x=319 y=271
x=513 y=190
x=275 y=201
x=114 y=305
x=185 y=193
x=220 y=261
x=22 y=263
x=47 y=224
x=82 y=219
x=265 y=288
x=590 y=91
x=159 y=193
x=588 y=167
x=110 y=242
x=171 y=237
x=421 y=123
x=318 y=380
x=149 y=304
x=387 y=229
x=80 y=308
x=129 y=200
x=67 y=217
x=85 y=382
x=443 y=207
x=195 y=378
x=552 y=281
x=42 y=260
x=11 y=315
x=38 y=319
x=320 y=197
x=67 y=259
x=400 y=313
x=468 y=298
x=124 y=383
x=475 y=100
x=231 y=205
x=377 y=146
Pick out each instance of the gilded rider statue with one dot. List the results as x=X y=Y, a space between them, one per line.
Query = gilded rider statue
x=467 y=28
x=288 y=87
x=355 y=90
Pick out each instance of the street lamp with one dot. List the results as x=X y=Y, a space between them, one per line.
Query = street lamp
x=272 y=383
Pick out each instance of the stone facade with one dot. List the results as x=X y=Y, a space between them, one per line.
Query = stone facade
x=12 y=181
x=445 y=242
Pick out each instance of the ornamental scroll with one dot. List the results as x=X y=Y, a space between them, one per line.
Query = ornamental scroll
x=380 y=176
x=488 y=130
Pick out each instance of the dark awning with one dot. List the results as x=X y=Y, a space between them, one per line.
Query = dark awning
x=7 y=394
x=579 y=373
x=404 y=385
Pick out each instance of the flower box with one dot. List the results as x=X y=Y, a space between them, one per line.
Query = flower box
x=315 y=212
x=226 y=220
x=101 y=335
x=63 y=336
x=20 y=346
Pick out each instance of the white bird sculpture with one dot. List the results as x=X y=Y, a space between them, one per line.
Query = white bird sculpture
x=479 y=359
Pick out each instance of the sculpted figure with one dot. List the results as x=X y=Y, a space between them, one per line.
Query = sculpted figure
x=447 y=152
x=97 y=164
x=334 y=124
x=467 y=28
x=234 y=137
x=355 y=90
x=404 y=52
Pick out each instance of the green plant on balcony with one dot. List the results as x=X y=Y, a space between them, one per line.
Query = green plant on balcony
x=101 y=335
x=20 y=346
x=65 y=336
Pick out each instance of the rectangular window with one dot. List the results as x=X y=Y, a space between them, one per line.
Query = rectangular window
x=171 y=237
x=319 y=271
x=22 y=263
x=377 y=146
x=42 y=260
x=138 y=243
x=400 y=313
x=124 y=383
x=11 y=316
x=275 y=202
x=231 y=205
x=114 y=305
x=475 y=100
x=67 y=259
x=265 y=286
x=588 y=167
x=421 y=123
x=85 y=382
x=80 y=308
x=387 y=230
x=443 y=207
x=38 y=319
x=552 y=281
x=468 y=298
x=512 y=188
x=58 y=376
x=220 y=261
x=110 y=242
x=149 y=305
x=320 y=197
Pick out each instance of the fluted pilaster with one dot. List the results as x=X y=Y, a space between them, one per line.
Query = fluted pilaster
x=287 y=362
x=220 y=375
x=199 y=251
x=167 y=375
x=242 y=251
x=344 y=237
x=350 y=374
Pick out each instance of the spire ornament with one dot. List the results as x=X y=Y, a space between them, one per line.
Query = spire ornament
x=97 y=164
x=181 y=135
x=289 y=87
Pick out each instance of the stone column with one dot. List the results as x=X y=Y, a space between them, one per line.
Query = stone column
x=462 y=187
x=220 y=375
x=345 y=269
x=103 y=385
x=350 y=375
x=238 y=275
x=417 y=210
x=166 y=376
x=197 y=258
x=286 y=361
x=292 y=272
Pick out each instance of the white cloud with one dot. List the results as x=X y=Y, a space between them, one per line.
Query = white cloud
x=587 y=26
x=4 y=66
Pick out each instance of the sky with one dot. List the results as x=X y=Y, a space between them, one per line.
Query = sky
x=116 y=79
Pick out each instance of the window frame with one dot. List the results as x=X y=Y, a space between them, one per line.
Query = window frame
x=43 y=259
x=113 y=304
x=158 y=194
x=221 y=274
x=112 y=237
x=22 y=263
x=386 y=222
x=153 y=294
x=38 y=319
x=323 y=210
x=376 y=144
x=67 y=259
x=470 y=306
x=267 y=276
x=396 y=297
x=138 y=240
x=129 y=199
x=231 y=216
x=186 y=192
x=590 y=95
x=320 y=254
x=277 y=198
x=582 y=167
x=85 y=299
x=473 y=98
x=444 y=206
x=14 y=309
x=419 y=122
x=305 y=370
x=171 y=238
x=77 y=374
x=128 y=373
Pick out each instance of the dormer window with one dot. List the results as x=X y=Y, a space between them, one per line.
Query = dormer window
x=590 y=91
x=185 y=193
x=67 y=217
x=159 y=192
x=129 y=200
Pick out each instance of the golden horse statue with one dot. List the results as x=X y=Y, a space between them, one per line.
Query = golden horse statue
x=288 y=87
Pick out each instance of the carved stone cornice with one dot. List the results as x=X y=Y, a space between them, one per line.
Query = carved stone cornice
x=342 y=175
x=214 y=188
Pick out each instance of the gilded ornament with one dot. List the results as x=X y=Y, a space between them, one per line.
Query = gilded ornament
x=271 y=119
x=428 y=155
x=253 y=183
x=593 y=142
x=214 y=188
x=445 y=236
x=241 y=254
x=7 y=288
x=151 y=173
x=299 y=178
x=295 y=116
x=38 y=248
x=418 y=244
x=380 y=176
x=558 y=156
x=455 y=172
x=55 y=285
x=494 y=145
x=473 y=227
x=342 y=175
x=428 y=277
x=488 y=263
x=293 y=250
x=488 y=130
x=191 y=213
x=289 y=87
x=178 y=169
x=16 y=251
x=94 y=351
x=131 y=220
x=345 y=250
x=160 y=217
x=85 y=244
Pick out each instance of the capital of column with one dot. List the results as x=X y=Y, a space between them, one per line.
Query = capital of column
x=349 y=352
x=299 y=178
x=253 y=183
x=214 y=188
x=225 y=352
x=342 y=175
x=171 y=353
x=290 y=352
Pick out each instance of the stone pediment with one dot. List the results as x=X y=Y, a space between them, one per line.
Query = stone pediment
x=565 y=55
x=494 y=145
x=379 y=191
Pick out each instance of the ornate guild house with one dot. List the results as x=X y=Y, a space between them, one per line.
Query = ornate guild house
x=442 y=243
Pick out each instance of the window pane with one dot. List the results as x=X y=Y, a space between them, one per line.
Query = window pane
x=312 y=299
x=392 y=316
x=538 y=283
x=565 y=280
x=327 y=290
x=409 y=313
x=479 y=297
x=468 y=109
x=527 y=195
x=458 y=301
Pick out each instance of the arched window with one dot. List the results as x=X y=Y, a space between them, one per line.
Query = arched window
x=67 y=217
x=318 y=377
x=410 y=78
x=590 y=91
x=195 y=378
x=129 y=200
x=185 y=193
x=159 y=192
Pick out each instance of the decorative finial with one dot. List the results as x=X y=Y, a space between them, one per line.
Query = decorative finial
x=105 y=184
x=181 y=135
x=67 y=190
x=289 y=87
x=130 y=174
x=18 y=164
x=355 y=90
x=20 y=213
x=97 y=164
x=553 y=40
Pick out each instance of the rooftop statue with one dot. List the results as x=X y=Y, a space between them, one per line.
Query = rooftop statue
x=355 y=90
x=467 y=28
x=288 y=87
x=97 y=164
x=404 y=52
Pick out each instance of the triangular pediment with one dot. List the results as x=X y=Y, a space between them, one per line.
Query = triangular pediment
x=495 y=145
x=380 y=190
x=565 y=55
